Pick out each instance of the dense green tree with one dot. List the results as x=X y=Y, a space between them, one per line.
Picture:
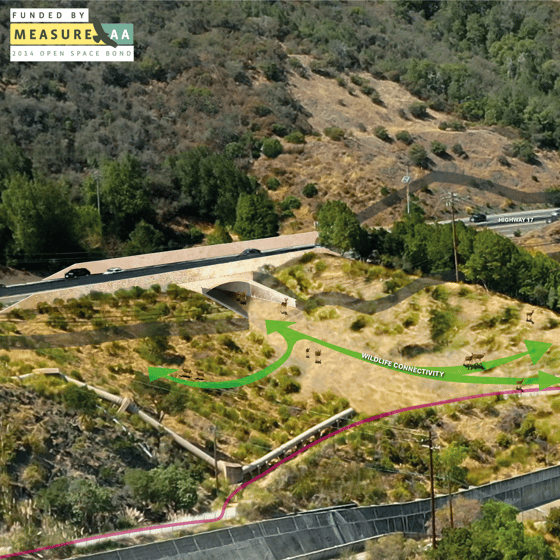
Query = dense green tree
x=173 y=487
x=124 y=201
x=13 y=161
x=496 y=536
x=418 y=155
x=272 y=147
x=210 y=183
x=219 y=235
x=80 y=399
x=89 y=502
x=493 y=262
x=81 y=501
x=255 y=216
x=338 y=227
x=40 y=216
x=144 y=239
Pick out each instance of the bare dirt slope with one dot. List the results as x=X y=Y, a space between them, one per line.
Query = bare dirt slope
x=358 y=167
x=372 y=389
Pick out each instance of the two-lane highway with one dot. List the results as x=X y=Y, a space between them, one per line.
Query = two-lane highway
x=508 y=223
x=49 y=285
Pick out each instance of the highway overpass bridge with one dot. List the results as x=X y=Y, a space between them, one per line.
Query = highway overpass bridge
x=217 y=271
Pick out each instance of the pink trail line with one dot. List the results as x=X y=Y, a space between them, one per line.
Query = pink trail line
x=285 y=460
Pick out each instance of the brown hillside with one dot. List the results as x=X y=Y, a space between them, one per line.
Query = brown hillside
x=356 y=168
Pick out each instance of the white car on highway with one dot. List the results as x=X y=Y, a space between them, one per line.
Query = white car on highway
x=114 y=270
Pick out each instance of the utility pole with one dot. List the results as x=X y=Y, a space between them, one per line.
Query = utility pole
x=98 y=202
x=450 y=502
x=406 y=179
x=216 y=459
x=432 y=498
x=452 y=204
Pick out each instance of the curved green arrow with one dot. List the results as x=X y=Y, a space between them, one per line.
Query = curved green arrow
x=158 y=372
x=455 y=374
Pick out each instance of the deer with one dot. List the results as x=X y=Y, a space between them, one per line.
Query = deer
x=478 y=357
x=307 y=352
x=518 y=385
x=530 y=316
x=284 y=304
x=317 y=356
x=186 y=374
x=468 y=360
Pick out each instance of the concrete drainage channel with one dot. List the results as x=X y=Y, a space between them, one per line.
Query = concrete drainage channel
x=323 y=534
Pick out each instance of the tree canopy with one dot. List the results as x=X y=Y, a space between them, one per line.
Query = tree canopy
x=495 y=536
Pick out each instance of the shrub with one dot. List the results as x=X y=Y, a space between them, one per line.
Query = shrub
x=503 y=440
x=375 y=97
x=511 y=315
x=411 y=320
x=295 y=137
x=358 y=80
x=503 y=160
x=438 y=148
x=523 y=150
x=418 y=155
x=334 y=133
x=381 y=133
x=262 y=110
x=310 y=190
x=404 y=137
x=359 y=324
x=418 y=110
x=295 y=63
x=57 y=321
x=272 y=148
x=279 y=129
x=290 y=202
x=272 y=184
x=367 y=90
x=440 y=293
x=442 y=324
x=456 y=125
x=458 y=149
x=553 y=522
x=341 y=81
x=79 y=399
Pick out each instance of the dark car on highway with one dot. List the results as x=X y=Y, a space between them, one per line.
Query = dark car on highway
x=250 y=252
x=477 y=218
x=77 y=273
x=553 y=217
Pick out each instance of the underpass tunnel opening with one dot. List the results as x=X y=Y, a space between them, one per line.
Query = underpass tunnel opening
x=232 y=295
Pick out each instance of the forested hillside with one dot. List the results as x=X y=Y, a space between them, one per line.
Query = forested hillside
x=214 y=77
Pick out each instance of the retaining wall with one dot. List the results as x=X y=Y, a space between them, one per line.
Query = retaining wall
x=321 y=534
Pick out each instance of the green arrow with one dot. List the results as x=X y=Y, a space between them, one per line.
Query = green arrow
x=281 y=327
x=547 y=380
x=157 y=372
x=535 y=349
x=457 y=374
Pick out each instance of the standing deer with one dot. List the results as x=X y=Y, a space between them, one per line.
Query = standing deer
x=478 y=357
x=530 y=316
x=307 y=352
x=317 y=356
x=468 y=360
